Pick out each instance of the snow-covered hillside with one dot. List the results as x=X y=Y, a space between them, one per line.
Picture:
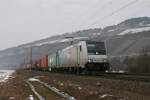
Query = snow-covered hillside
x=134 y=30
x=56 y=41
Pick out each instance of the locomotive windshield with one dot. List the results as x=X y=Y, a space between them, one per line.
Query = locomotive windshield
x=96 y=48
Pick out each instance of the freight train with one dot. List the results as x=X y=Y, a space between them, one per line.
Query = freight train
x=84 y=56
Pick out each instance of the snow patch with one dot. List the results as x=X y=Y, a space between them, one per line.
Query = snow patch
x=33 y=79
x=12 y=98
x=112 y=30
x=119 y=71
x=31 y=97
x=49 y=42
x=141 y=24
x=135 y=30
x=61 y=84
x=65 y=40
x=95 y=34
x=5 y=75
x=79 y=88
x=105 y=95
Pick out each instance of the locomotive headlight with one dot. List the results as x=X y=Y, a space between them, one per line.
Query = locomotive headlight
x=90 y=60
x=104 y=60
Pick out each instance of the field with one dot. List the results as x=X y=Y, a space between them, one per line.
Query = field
x=80 y=87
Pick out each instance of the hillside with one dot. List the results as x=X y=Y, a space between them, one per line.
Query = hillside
x=126 y=38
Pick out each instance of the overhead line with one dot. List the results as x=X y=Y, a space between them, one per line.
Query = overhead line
x=109 y=2
x=87 y=10
x=113 y=13
x=103 y=7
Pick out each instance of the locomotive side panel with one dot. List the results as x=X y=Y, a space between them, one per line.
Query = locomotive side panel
x=68 y=57
x=83 y=56
x=74 y=56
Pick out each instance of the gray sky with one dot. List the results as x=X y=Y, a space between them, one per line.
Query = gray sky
x=22 y=21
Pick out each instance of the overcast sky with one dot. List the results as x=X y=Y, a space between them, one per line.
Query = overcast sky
x=23 y=21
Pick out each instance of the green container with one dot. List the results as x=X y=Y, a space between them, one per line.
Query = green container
x=52 y=60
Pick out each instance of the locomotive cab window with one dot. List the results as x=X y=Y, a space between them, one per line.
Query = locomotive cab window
x=96 y=48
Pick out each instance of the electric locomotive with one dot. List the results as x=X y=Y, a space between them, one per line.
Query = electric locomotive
x=80 y=57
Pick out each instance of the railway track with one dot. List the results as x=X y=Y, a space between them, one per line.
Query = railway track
x=111 y=75
x=43 y=91
x=124 y=76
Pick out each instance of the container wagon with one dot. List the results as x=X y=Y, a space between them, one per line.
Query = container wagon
x=44 y=63
x=40 y=64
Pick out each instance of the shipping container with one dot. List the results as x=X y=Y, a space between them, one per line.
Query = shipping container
x=44 y=62
x=52 y=60
x=39 y=63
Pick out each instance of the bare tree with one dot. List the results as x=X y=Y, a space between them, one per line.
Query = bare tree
x=141 y=63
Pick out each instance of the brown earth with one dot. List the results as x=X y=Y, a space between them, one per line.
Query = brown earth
x=80 y=87
x=15 y=88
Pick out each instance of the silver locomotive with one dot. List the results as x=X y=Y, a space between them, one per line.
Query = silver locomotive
x=80 y=57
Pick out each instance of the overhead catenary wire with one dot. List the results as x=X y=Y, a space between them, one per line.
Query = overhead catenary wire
x=140 y=8
x=101 y=7
x=115 y=12
x=88 y=9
